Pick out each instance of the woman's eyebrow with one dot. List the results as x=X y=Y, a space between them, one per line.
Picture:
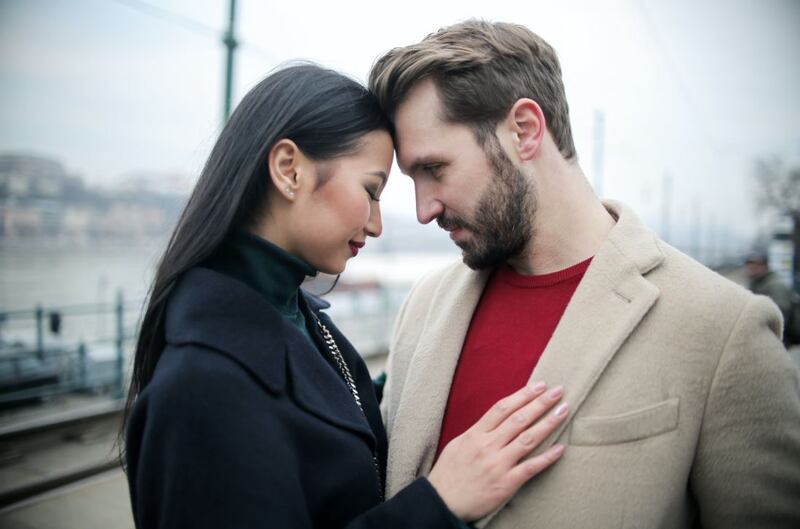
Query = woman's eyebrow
x=380 y=174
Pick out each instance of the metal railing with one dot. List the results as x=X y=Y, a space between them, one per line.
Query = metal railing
x=45 y=351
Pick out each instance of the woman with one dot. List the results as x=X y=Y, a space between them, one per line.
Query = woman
x=247 y=407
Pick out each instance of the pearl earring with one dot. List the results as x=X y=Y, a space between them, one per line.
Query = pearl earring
x=289 y=192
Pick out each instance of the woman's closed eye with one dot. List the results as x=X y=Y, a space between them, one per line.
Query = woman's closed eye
x=373 y=193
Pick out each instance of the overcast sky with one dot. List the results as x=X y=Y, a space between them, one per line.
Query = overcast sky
x=692 y=89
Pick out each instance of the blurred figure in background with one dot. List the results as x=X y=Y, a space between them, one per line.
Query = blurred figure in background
x=763 y=281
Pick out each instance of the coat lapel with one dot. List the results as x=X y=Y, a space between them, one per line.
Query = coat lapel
x=609 y=303
x=319 y=389
x=421 y=407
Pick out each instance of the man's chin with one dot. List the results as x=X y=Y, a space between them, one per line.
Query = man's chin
x=475 y=262
x=485 y=260
x=468 y=256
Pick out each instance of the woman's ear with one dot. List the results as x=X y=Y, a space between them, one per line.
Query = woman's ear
x=284 y=163
x=527 y=123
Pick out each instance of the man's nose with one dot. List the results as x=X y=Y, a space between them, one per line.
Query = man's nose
x=428 y=205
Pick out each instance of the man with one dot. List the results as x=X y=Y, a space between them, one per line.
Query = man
x=767 y=283
x=684 y=406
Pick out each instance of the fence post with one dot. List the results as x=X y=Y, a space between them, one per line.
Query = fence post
x=40 y=332
x=119 y=390
x=386 y=311
x=83 y=382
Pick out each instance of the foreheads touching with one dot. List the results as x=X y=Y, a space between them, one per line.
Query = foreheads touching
x=480 y=69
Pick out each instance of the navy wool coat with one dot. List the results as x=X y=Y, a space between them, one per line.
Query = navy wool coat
x=246 y=424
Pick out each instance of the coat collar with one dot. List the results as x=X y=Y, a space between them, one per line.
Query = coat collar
x=608 y=304
x=213 y=310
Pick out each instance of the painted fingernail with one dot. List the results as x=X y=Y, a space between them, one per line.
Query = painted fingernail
x=561 y=409
x=556 y=392
x=538 y=387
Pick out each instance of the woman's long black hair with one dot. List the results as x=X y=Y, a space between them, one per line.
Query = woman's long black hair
x=322 y=111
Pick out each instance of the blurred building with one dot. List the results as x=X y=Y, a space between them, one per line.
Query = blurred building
x=39 y=198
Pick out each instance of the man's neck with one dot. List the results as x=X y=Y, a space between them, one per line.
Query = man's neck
x=570 y=224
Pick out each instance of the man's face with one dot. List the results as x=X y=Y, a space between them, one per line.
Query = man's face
x=755 y=269
x=478 y=195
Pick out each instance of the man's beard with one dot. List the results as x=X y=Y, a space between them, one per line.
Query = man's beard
x=502 y=225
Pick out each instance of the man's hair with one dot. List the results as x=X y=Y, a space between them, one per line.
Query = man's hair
x=757 y=256
x=480 y=70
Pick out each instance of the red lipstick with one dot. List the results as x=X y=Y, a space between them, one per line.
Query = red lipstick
x=354 y=246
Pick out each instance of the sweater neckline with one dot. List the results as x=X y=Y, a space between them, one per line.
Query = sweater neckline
x=510 y=276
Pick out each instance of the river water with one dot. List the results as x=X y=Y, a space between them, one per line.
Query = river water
x=57 y=274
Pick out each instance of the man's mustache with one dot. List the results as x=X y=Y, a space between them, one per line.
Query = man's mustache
x=450 y=223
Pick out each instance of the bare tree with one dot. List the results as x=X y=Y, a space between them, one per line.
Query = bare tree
x=779 y=190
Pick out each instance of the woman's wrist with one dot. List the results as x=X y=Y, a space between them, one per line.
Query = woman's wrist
x=456 y=520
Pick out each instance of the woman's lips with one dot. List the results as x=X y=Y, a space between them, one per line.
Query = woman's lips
x=354 y=247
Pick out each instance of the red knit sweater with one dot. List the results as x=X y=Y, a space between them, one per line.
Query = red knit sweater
x=511 y=326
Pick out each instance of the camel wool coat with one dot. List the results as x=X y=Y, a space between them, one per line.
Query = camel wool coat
x=685 y=407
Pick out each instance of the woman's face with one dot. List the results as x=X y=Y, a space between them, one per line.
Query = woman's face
x=342 y=209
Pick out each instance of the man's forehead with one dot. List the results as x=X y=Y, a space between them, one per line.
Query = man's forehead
x=421 y=101
x=419 y=129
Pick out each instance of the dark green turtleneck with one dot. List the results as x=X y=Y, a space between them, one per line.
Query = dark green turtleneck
x=266 y=268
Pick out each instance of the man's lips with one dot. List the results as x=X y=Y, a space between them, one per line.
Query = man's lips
x=354 y=247
x=452 y=226
x=455 y=232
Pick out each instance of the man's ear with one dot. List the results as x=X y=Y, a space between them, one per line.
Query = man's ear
x=284 y=161
x=527 y=125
